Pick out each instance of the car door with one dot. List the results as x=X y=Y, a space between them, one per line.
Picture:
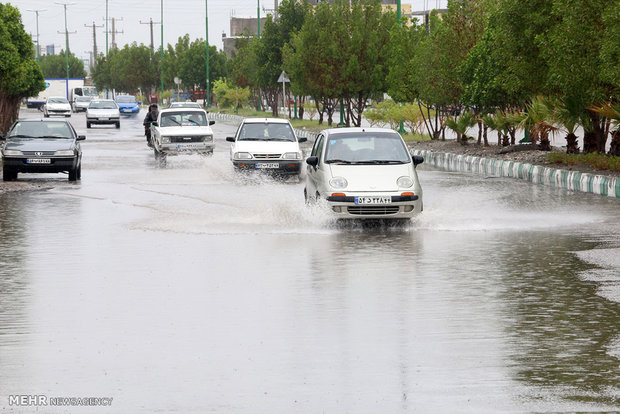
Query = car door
x=313 y=173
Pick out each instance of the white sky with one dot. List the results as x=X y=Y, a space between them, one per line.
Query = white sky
x=180 y=17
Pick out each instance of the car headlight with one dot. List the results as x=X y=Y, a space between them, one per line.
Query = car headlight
x=242 y=155
x=291 y=156
x=208 y=138
x=69 y=153
x=338 y=182
x=165 y=139
x=404 y=182
x=12 y=152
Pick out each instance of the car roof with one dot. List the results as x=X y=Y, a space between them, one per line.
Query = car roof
x=359 y=130
x=61 y=97
x=180 y=109
x=102 y=100
x=43 y=120
x=265 y=121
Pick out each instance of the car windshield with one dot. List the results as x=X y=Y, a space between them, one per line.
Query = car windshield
x=126 y=99
x=366 y=148
x=266 y=132
x=57 y=100
x=102 y=105
x=41 y=130
x=83 y=99
x=194 y=118
x=184 y=105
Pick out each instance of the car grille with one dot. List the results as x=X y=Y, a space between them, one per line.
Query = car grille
x=267 y=156
x=196 y=138
x=38 y=153
x=373 y=210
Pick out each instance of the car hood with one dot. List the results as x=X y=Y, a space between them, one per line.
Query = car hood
x=126 y=105
x=177 y=131
x=266 y=147
x=39 y=144
x=103 y=112
x=370 y=177
x=64 y=106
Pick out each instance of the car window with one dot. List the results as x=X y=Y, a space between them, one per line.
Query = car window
x=102 y=105
x=180 y=118
x=317 y=145
x=366 y=148
x=266 y=132
x=57 y=100
x=126 y=99
x=41 y=130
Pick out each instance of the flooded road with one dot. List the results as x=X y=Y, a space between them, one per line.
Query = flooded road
x=188 y=289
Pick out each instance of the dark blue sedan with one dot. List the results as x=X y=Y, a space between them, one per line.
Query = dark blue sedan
x=127 y=104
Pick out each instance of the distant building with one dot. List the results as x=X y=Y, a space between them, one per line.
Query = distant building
x=240 y=27
x=50 y=50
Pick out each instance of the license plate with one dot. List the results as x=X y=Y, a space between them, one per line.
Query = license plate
x=267 y=165
x=38 y=161
x=189 y=147
x=373 y=200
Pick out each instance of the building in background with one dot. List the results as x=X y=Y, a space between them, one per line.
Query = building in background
x=240 y=27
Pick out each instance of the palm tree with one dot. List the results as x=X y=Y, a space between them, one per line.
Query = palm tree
x=570 y=114
x=611 y=112
x=536 y=120
x=460 y=126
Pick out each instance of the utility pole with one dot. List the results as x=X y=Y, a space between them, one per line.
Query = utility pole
x=258 y=35
x=66 y=44
x=401 y=127
x=38 y=44
x=151 y=23
x=208 y=90
x=113 y=32
x=106 y=28
x=94 y=57
x=161 y=71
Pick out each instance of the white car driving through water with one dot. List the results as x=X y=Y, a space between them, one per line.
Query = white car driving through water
x=364 y=173
x=266 y=144
x=182 y=131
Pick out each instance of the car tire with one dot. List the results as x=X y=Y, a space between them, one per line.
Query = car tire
x=160 y=157
x=8 y=175
x=45 y=115
x=67 y=116
x=118 y=125
x=79 y=172
x=73 y=174
x=88 y=125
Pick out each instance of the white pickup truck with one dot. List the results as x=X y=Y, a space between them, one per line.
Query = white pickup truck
x=182 y=131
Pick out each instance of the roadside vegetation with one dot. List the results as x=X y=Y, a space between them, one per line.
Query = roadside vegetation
x=511 y=68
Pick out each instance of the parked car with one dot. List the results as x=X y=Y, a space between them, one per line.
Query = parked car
x=41 y=146
x=267 y=144
x=364 y=173
x=185 y=105
x=56 y=105
x=103 y=111
x=182 y=131
x=81 y=103
x=128 y=104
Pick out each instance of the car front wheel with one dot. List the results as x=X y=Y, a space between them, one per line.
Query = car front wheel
x=8 y=175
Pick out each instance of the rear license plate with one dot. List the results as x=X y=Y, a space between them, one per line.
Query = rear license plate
x=267 y=165
x=373 y=200
x=38 y=161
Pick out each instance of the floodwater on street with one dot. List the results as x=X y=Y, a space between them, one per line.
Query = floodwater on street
x=190 y=289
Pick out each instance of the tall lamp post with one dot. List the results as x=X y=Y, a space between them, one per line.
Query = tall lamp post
x=38 y=44
x=66 y=46
x=401 y=127
x=208 y=91
x=161 y=61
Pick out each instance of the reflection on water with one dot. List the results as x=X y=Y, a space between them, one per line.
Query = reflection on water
x=189 y=290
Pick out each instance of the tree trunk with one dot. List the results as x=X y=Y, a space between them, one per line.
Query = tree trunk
x=513 y=135
x=506 y=141
x=595 y=139
x=479 y=131
x=300 y=106
x=318 y=109
x=485 y=136
x=545 y=144
x=614 y=149
x=571 y=144
x=9 y=112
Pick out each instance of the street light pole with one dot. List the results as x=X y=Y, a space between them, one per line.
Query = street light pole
x=208 y=91
x=106 y=28
x=66 y=45
x=38 y=44
x=161 y=61
x=260 y=106
x=401 y=127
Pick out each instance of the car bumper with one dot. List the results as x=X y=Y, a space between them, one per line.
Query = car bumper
x=57 y=112
x=103 y=120
x=130 y=111
x=271 y=166
x=189 y=148
x=399 y=207
x=56 y=164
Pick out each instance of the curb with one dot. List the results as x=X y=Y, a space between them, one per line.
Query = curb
x=568 y=180
x=237 y=119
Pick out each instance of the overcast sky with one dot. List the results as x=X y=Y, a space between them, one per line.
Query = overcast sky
x=180 y=17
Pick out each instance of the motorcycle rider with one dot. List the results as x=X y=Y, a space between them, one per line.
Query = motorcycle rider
x=150 y=117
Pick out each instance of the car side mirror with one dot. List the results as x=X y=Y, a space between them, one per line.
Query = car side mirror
x=313 y=161
x=230 y=139
x=81 y=137
x=211 y=123
x=417 y=159
x=155 y=123
x=2 y=138
x=302 y=139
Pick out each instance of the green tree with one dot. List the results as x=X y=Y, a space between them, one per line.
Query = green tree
x=55 y=66
x=20 y=75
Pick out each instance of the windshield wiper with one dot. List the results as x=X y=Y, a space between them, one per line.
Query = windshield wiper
x=280 y=139
x=250 y=139
x=338 y=161
x=173 y=120
x=380 y=162
x=22 y=136
x=53 y=136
